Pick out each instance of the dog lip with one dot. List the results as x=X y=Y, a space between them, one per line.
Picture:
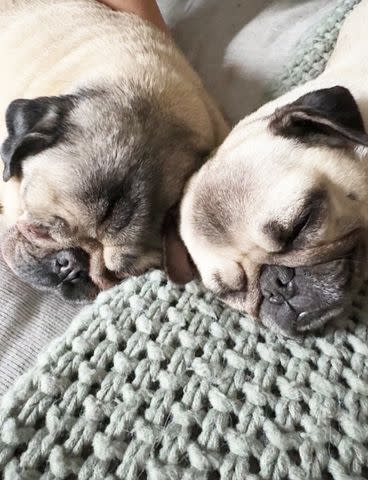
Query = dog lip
x=301 y=323
x=314 y=319
x=105 y=281
x=73 y=277
x=135 y=273
x=121 y=275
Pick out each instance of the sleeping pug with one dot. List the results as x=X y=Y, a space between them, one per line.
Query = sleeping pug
x=276 y=221
x=103 y=123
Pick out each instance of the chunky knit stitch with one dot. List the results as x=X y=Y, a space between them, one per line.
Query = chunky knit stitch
x=312 y=53
x=161 y=383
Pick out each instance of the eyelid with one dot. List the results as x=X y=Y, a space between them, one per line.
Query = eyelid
x=311 y=214
x=35 y=233
x=299 y=225
x=58 y=226
x=109 y=210
x=118 y=216
x=308 y=216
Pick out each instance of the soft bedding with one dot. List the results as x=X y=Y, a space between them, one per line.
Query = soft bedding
x=239 y=48
x=158 y=382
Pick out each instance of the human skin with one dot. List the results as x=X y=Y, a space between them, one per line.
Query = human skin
x=146 y=9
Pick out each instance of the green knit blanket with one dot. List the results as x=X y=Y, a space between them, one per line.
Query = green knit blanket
x=153 y=382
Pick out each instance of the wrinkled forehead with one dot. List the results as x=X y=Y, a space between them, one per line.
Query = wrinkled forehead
x=47 y=179
x=255 y=149
x=260 y=182
x=247 y=184
x=263 y=158
x=256 y=171
x=52 y=196
x=83 y=192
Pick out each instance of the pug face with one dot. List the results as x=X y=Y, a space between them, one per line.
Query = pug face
x=275 y=223
x=98 y=171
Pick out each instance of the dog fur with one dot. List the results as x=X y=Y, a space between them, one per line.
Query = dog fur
x=276 y=221
x=105 y=122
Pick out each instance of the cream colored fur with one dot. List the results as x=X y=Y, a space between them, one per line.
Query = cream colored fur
x=255 y=177
x=54 y=47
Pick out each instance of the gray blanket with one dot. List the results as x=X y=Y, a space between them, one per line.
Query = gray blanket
x=28 y=321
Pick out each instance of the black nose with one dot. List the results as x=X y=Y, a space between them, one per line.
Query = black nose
x=71 y=265
x=277 y=283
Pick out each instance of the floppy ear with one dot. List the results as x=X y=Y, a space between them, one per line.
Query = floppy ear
x=33 y=125
x=177 y=262
x=324 y=117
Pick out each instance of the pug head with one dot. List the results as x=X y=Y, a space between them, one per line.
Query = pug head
x=98 y=171
x=275 y=223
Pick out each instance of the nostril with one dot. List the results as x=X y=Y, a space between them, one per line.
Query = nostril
x=67 y=266
x=290 y=288
x=272 y=297
x=284 y=275
x=64 y=270
x=74 y=275
x=266 y=293
x=278 y=283
x=276 y=299
x=62 y=262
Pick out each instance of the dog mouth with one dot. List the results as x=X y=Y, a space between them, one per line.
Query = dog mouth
x=71 y=272
x=313 y=320
x=298 y=300
x=105 y=280
x=291 y=323
x=77 y=273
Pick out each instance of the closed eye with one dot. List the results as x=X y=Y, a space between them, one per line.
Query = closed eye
x=109 y=209
x=118 y=215
x=299 y=226
x=309 y=216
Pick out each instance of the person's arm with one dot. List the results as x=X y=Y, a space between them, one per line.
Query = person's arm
x=146 y=9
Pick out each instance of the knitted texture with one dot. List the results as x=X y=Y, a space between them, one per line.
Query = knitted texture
x=161 y=383
x=165 y=384
x=313 y=51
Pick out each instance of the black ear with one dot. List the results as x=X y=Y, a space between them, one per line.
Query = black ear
x=324 y=117
x=33 y=125
x=177 y=262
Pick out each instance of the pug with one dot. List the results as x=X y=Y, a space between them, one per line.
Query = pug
x=275 y=223
x=102 y=122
